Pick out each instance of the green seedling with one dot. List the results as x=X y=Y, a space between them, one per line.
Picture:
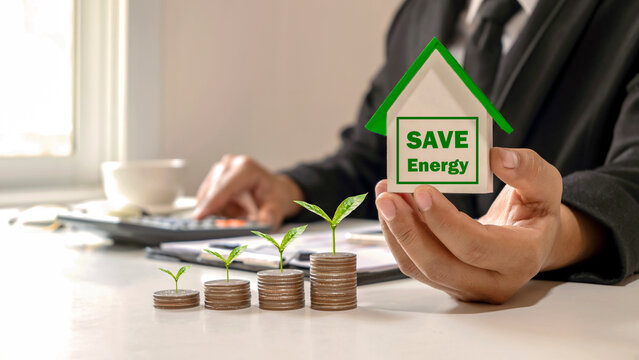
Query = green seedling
x=176 y=277
x=235 y=253
x=288 y=238
x=343 y=210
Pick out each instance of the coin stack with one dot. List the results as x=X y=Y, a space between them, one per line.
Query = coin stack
x=170 y=299
x=281 y=290
x=227 y=295
x=333 y=281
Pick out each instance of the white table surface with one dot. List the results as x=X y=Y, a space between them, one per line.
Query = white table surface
x=64 y=297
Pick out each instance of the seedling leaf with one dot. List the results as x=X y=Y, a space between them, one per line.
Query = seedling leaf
x=314 y=209
x=216 y=254
x=168 y=272
x=181 y=271
x=346 y=207
x=176 y=277
x=291 y=235
x=236 y=252
x=343 y=210
x=267 y=237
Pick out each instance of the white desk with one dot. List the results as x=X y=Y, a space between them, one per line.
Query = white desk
x=96 y=303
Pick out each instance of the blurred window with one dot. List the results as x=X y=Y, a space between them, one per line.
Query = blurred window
x=36 y=67
x=59 y=93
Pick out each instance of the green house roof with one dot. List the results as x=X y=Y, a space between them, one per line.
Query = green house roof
x=377 y=123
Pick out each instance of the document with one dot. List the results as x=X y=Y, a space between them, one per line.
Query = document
x=262 y=254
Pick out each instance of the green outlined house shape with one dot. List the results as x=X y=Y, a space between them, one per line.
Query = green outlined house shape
x=438 y=127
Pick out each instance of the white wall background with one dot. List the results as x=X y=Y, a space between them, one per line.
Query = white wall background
x=273 y=79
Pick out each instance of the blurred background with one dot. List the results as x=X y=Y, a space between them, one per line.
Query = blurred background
x=89 y=81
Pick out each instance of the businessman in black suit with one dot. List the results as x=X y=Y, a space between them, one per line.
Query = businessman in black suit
x=565 y=74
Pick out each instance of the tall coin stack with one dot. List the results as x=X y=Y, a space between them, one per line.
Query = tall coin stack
x=227 y=295
x=333 y=281
x=281 y=290
x=180 y=299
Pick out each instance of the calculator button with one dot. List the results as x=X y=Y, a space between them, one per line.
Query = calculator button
x=237 y=222
x=222 y=223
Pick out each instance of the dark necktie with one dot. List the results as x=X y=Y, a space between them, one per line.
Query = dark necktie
x=483 y=50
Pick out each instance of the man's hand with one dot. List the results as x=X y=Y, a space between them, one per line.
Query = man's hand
x=237 y=186
x=526 y=230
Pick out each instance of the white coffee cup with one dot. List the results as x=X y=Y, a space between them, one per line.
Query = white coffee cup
x=153 y=185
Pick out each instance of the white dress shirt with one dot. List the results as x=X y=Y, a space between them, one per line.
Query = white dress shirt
x=468 y=22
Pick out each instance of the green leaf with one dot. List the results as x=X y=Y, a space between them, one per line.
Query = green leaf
x=291 y=235
x=216 y=254
x=235 y=253
x=346 y=207
x=181 y=271
x=314 y=209
x=168 y=272
x=267 y=237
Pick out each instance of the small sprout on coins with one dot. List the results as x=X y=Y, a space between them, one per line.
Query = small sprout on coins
x=235 y=253
x=176 y=277
x=288 y=238
x=343 y=210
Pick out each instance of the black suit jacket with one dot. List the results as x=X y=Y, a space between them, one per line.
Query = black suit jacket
x=569 y=86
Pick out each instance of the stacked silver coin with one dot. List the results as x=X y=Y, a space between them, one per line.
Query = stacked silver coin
x=281 y=290
x=333 y=281
x=170 y=299
x=223 y=295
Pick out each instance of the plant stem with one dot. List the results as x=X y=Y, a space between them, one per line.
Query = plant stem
x=281 y=263
x=176 y=286
x=227 y=273
x=333 y=229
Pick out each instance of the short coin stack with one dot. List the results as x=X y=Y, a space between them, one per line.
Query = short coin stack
x=333 y=281
x=170 y=299
x=281 y=290
x=223 y=295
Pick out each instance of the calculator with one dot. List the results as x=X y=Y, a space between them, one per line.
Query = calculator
x=153 y=230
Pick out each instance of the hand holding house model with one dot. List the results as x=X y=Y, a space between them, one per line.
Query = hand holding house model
x=438 y=127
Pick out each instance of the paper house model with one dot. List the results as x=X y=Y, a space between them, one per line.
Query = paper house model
x=438 y=127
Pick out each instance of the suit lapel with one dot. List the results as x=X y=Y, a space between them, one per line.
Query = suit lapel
x=531 y=67
x=529 y=70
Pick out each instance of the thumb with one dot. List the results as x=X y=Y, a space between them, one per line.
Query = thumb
x=534 y=178
x=270 y=214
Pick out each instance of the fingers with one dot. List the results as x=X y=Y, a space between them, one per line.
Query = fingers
x=535 y=179
x=246 y=201
x=270 y=214
x=438 y=245
x=214 y=174
x=239 y=176
x=405 y=264
x=233 y=210
x=204 y=187
x=429 y=255
x=239 y=187
x=482 y=246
